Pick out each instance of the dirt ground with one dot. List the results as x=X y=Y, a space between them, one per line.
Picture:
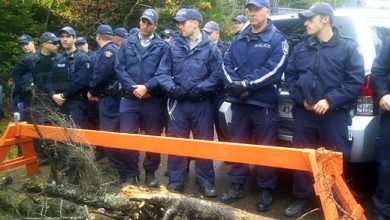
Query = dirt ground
x=282 y=194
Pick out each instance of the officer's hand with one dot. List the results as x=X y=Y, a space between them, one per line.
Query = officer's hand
x=177 y=93
x=384 y=103
x=140 y=91
x=237 y=88
x=92 y=98
x=307 y=106
x=58 y=99
x=194 y=93
x=321 y=107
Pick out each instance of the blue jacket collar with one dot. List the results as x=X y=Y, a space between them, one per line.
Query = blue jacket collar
x=313 y=41
x=265 y=35
x=108 y=44
x=205 y=40
x=134 y=39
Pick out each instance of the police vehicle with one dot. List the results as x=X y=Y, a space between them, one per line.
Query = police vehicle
x=367 y=26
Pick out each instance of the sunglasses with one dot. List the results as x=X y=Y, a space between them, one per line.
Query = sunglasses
x=54 y=43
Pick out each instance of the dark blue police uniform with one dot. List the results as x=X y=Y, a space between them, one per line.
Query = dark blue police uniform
x=37 y=65
x=104 y=84
x=190 y=76
x=137 y=65
x=256 y=61
x=333 y=71
x=21 y=89
x=70 y=76
x=381 y=79
x=220 y=96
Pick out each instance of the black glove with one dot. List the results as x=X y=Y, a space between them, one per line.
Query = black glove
x=194 y=93
x=236 y=88
x=128 y=93
x=245 y=95
x=177 y=93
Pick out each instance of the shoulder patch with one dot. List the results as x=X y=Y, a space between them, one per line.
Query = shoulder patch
x=108 y=54
x=88 y=65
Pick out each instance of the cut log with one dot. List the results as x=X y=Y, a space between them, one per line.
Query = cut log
x=144 y=203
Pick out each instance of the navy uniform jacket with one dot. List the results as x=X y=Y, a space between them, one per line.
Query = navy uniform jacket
x=103 y=69
x=259 y=60
x=134 y=67
x=223 y=47
x=200 y=67
x=37 y=64
x=381 y=70
x=71 y=75
x=334 y=71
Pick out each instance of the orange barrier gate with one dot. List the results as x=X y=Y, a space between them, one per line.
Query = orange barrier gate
x=325 y=165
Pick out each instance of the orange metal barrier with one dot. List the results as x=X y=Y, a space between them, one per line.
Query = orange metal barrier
x=325 y=165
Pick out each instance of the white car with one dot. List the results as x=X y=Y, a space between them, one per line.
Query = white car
x=367 y=26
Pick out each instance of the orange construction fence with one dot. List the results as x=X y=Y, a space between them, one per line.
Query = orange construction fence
x=325 y=165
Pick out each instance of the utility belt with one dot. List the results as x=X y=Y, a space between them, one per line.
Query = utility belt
x=201 y=97
x=112 y=89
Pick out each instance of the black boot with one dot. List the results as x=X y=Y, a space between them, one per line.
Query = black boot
x=264 y=201
x=208 y=191
x=299 y=207
x=236 y=191
x=127 y=180
x=151 y=180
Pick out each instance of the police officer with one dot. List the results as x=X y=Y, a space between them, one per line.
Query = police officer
x=167 y=35
x=213 y=31
x=93 y=108
x=239 y=22
x=120 y=34
x=26 y=43
x=324 y=75
x=68 y=83
x=381 y=79
x=254 y=65
x=20 y=91
x=141 y=106
x=190 y=72
x=83 y=46
x=104 y=86
x=40 y=65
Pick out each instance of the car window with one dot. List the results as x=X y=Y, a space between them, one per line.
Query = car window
x=293 y=29
x=345 y=26
x=380 y=29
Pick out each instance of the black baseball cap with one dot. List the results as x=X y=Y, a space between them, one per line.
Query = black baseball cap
x=259 y=3
x=188 y=14
x=81 y=40
x=240 y=19
x=104 y=29
x=68 y=30
x=121 y=32
x=25 y=39
x=48 y=36
x=320 y=8
x=151 y=15
x=167 y=33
